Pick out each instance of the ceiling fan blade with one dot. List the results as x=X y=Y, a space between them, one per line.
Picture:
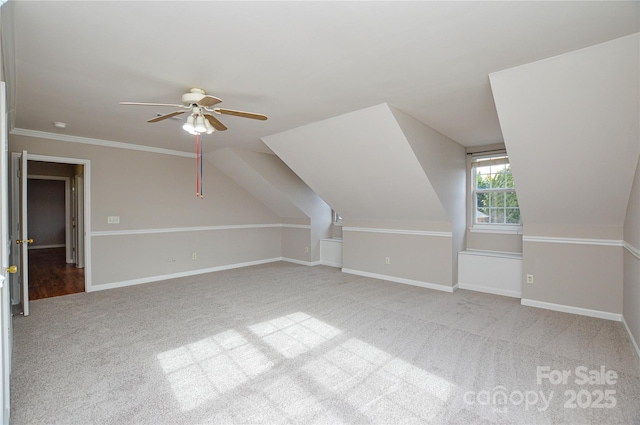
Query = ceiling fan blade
x=209 y=101
x=240 y=114
x=154 y=104
x=165 y=116
x=215 y=123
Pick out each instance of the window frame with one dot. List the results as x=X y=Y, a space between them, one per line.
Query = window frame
x=495 y=157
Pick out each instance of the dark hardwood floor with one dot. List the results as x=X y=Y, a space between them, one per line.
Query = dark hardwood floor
x=51 y=276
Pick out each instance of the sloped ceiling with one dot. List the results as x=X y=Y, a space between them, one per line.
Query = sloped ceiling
x=297 y=62
x=571 y=127
x=443 y=161
x=362 y=165
x=281 y=177
x=257 y=174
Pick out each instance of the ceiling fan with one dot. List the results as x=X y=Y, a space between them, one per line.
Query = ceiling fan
x=200 y=105
x=200 y=120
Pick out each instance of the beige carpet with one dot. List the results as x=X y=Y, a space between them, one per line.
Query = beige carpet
x=282 y=343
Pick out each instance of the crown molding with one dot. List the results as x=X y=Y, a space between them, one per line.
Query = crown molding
x=97 y=142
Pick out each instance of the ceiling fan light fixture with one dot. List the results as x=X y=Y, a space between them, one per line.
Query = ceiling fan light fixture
x=210 y=128
x=189 y=125
x=200 y=126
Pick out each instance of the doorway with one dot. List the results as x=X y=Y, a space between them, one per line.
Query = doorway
x=67 y=267
x=55 y=264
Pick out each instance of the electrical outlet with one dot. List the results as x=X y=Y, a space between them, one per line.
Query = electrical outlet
x=194 y=256
x=113 y=219
x=529 y=278
x=306 y=249
x=387 y=260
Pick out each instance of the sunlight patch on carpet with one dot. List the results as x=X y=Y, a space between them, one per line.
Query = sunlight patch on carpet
x=375 y=382
x=295 y=400
x=294 y=334
x=203 y=370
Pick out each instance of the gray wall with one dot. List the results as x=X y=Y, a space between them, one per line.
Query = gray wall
x=46 y=212
x=500 y=242
x=414 y=257
x=154 y=196
x=269 y=179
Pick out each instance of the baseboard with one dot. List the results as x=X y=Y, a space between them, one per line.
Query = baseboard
x=573 y=310
x=150 y=279
x=633 y=340
x=428 y=285
x=301 y=262
x=490 y=290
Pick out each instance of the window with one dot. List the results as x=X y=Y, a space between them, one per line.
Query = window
x=493 y=192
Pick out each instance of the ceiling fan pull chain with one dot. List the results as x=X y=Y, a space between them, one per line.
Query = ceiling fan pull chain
x=198 y=172
x=200 y=157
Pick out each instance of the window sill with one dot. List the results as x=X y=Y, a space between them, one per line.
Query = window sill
x=508 y=230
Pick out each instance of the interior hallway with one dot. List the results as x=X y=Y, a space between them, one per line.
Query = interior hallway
x=51 y=276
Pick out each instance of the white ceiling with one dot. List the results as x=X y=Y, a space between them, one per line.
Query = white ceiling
x=297 y=62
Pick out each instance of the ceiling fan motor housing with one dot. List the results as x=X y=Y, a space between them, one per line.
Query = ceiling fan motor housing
x=193 y=97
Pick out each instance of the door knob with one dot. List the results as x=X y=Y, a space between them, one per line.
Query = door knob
x=19 y=241
x=12 y=269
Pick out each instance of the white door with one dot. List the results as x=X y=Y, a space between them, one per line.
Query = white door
x=5 y=247
x=23 y=240
x=79 y=223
